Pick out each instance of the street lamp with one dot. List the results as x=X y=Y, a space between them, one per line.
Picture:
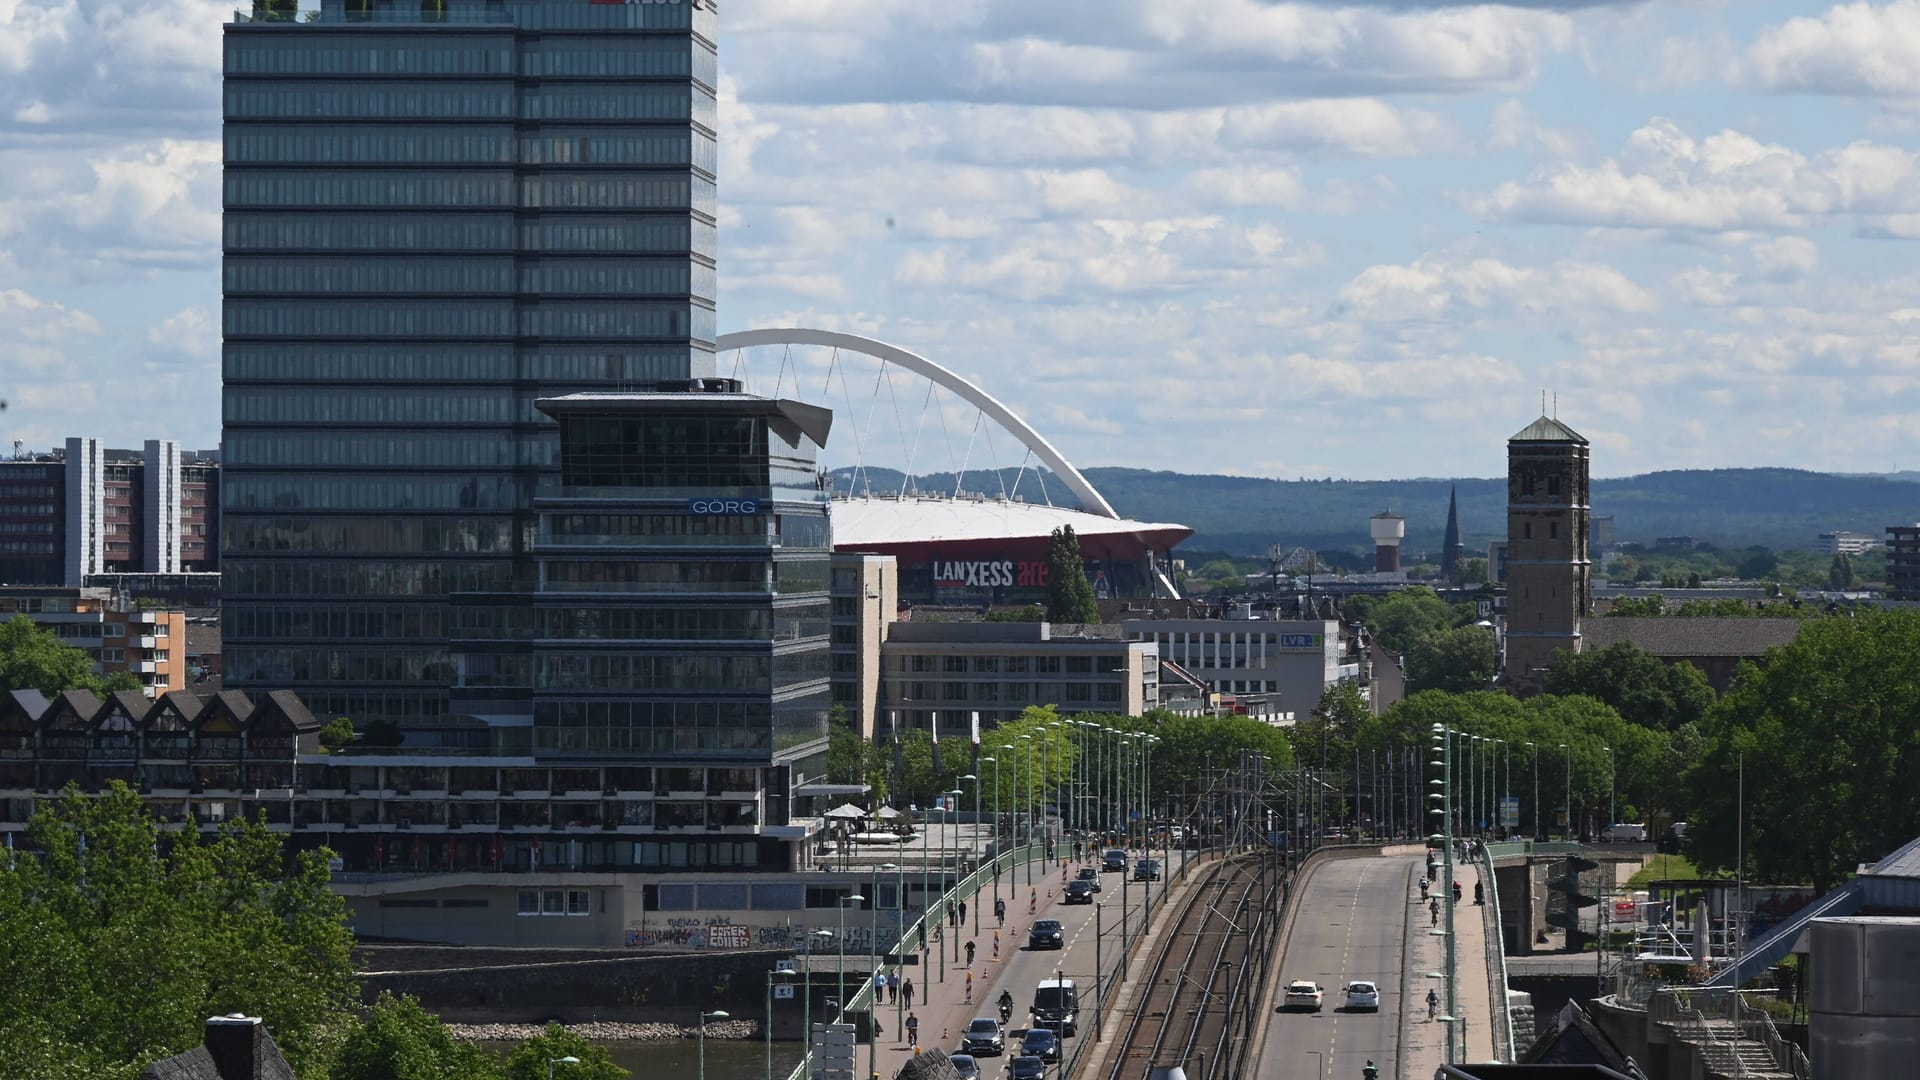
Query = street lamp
x=1027 y=752
x=767 y=1034
x=1536 y=791
x=568 y=1060
x=854 y=898
x=1568 y=835
x=1611 y=774
x=873 y=943
x=806 y=992
x=717 y=1014
x=997 y=849
x=976 y=836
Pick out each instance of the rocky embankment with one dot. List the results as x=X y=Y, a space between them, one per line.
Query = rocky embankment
x=607 y=1031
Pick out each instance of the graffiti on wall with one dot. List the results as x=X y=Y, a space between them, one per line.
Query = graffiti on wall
x=721 y=932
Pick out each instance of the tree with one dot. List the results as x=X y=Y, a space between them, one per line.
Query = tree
x=1028 y=613
x=337 y=735
x=122 y=939
x=1840 y=574
x=1636 y=683
x=1457 y=660
x=1069 y=593
x=35 y=659
x=529 y=1060
x=1470 y=572
x=1758 y=563
x=852 y=758
x=399 y=1040
x=1827 y=734
x=1404 y=617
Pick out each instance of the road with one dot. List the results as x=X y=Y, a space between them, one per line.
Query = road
x=1018 y=969
x=1351 y=923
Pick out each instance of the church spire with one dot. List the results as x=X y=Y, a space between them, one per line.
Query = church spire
x=1452 y=550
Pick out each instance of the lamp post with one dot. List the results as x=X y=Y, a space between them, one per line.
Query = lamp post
x=946 y=889
x=976 y=834
x=568 y=1060
x=767 y=1034
x=1536 y=789
x=873 y=944
x=997 y=849
x=1568 y=834
x=842 y=988
x=717 y=1014
x=1027 y=752
x=806 y=993
x=1611 y=774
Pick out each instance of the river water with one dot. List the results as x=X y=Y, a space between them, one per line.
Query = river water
x=727 y=1059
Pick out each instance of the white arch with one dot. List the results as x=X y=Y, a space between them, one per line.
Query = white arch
x=1091 y=501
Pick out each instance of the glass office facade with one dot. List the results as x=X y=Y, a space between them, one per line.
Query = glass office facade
x=436 y=214
x=683 y=603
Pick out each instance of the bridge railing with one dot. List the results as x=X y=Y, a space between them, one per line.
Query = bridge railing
x=1514 y=849
x=1497 y=965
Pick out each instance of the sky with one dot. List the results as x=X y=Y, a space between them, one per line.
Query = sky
x=1267 y=239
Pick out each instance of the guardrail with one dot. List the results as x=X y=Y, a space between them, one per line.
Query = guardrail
x=1757 y=1024
x=1514 y=849
x=1497 y=965
x=863 y=999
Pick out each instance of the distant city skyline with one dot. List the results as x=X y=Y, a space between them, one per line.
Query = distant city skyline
x=1265 y=239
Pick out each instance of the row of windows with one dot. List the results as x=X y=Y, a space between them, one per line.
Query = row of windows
x=621 y=102
x=426 y=405
x=300 y=491
x=467 y=276
x=743 y=674
x=277 y=665
x=395 y=145
x=612 y=191
x=303 y=577
x=684 y=623
x=1013 y=693
x=327 y=54
x=551 y=147
x=561 y=576
x=1012 y=665
x=624 y=234
x=405 y=449
x=466 y=319
x=404 y=101
x=26 y=547
x=470 y=536
x=474 y=363
x=338 y=622
x=785 y=530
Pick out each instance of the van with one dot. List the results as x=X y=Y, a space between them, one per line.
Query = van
x=1624 y=833
x=1056 y=1005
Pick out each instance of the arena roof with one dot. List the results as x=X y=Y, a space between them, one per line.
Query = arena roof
x=871 y=523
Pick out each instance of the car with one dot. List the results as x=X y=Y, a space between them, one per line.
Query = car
x=1046 y=934
x=1674 y=839
x=1026 y=1067
x=1089 y=875
x=1079 y=892
x=966 y=1066
x=1302 y=994
x=1146 y=870
x=983 y=1037
x=1363 y=996
x=1113 y=861
x=1624 y=832
x=1041 y=1043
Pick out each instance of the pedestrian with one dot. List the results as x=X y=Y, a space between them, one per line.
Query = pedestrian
x=923 y=935
x=893 y=987
x=969 y=955
x=913 y=1026
x=963 y=913
x=879 y=988
x=949 y=913
x=1000 y=911
x=906 y=992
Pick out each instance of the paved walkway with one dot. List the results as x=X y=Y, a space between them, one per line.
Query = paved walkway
x=1423 y=1048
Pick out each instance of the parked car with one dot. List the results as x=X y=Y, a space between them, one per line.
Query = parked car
x=1302 y=995
x=1674 y=839
x=1114 y=861
x=983 y=1037
x=1363 y=996
x=1026 y=1068
x=1041 y=1043
x=966 y=1066
x=1079 y=892
x=1624 y=832
x=1146 y=870
x=1090 y=875
x=1046 y=934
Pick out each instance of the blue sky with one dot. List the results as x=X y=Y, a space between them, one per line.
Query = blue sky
x=1259 y=238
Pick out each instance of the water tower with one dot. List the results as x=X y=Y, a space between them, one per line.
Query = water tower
x=1389 y=529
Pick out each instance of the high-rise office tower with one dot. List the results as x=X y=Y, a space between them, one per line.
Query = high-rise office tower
x=436 y=213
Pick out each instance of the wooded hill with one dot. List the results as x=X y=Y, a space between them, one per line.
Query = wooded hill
x=1775 y=508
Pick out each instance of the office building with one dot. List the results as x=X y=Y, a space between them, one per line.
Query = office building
x=1903 y=562
x=1842 y=542
x=1287 y=662
x=1549 y=590
x=944 y=674
x=866 y=590
x=82 y=510
x=435 y=216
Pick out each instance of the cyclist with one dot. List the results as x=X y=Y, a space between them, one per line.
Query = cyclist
x=1433 y=1004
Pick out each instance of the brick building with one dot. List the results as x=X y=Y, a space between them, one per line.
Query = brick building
x=83 y=510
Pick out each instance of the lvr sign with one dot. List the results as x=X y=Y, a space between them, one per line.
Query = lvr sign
x=725 y=507
x=1299 y=641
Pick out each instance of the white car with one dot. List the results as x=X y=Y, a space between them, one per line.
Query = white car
x=1624 y=832
x=1363 y=995
x=1302 y=995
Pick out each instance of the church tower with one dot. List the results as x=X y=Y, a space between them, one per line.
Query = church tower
x=1452 y=550
x=1548 y=584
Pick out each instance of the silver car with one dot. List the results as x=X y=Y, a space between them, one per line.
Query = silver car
x=982 y=1037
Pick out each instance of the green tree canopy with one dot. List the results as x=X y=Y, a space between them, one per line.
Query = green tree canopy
x=529 y=1060
x=1458 y=660
x=854 y=759
x=122 y=940
x=1401 y=618
x=399 y=1040
x=35 y=659
x=1828 y=729
x=1069 y=593
x=1639 y=686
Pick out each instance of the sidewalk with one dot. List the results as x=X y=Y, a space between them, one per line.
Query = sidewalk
x=1423 y=1049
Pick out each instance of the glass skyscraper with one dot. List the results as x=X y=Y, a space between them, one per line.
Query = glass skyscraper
x=438 y=212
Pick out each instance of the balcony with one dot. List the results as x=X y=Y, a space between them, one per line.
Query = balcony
x=148 y=642
x=142 y=667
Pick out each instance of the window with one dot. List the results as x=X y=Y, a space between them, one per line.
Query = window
x=553 y=902
x=1553 y=484
x=579 y=902
x=529 y=902
x=1526 y=531
x=1553 y=530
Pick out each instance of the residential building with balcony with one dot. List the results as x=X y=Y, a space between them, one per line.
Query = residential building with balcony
x=74 y=513
x=151 y=644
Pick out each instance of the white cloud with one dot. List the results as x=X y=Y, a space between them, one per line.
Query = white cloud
x=1666 y=179
x=1855 y=49
x=190 y=332
x=1477 y=288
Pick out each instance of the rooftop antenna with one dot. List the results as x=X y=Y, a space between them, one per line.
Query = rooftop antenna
x=1556 y=404
x=1543 y=401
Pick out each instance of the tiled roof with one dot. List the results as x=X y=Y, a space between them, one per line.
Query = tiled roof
x=1547 y=429
x=1677 y=636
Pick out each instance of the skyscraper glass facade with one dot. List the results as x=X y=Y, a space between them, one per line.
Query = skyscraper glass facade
x=437 y=213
